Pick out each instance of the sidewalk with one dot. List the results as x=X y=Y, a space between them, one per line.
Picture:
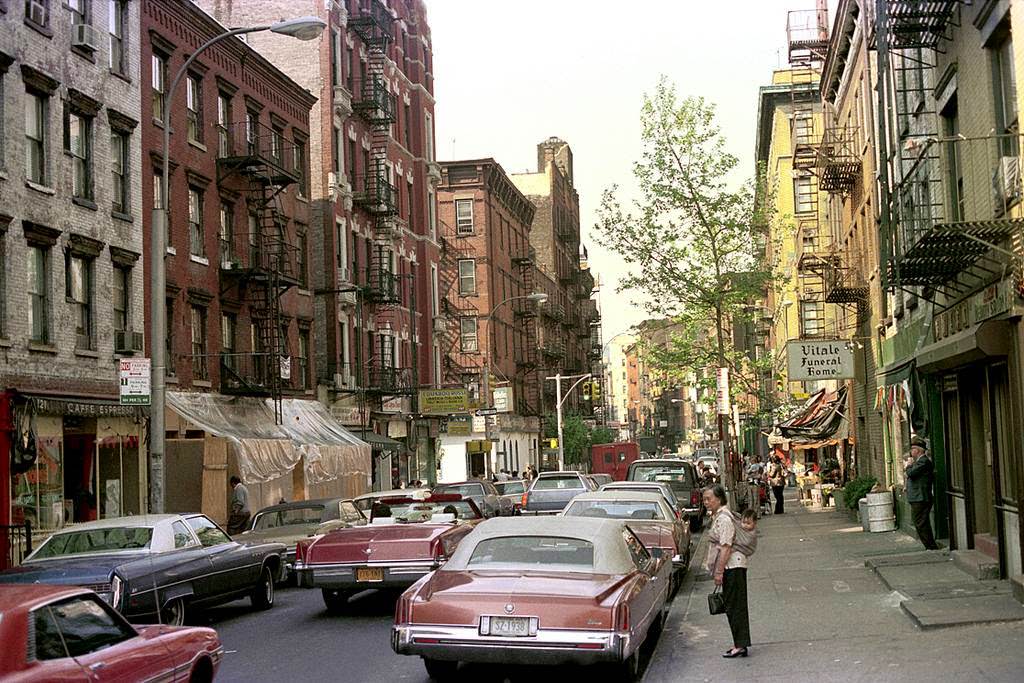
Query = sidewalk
x=818 y=612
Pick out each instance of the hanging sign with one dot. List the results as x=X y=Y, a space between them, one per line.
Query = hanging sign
x=818 y=360
x=135 y=384
x=722 y=394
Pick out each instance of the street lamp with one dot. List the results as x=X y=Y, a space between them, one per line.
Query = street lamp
x=536 y=297
x=302 y=28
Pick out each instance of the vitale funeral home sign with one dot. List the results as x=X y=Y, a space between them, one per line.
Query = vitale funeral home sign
x=818 y=360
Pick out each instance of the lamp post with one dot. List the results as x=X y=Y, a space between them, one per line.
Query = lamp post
x=302 y=28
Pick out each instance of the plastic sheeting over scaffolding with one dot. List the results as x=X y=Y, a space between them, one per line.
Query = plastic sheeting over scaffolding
x=820 y=422
x=265 y=450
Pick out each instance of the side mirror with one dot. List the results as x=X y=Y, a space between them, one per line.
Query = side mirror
x=657 y=553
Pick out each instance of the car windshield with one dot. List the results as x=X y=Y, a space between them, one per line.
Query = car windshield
x=669 y=494
x=615 y=509
x=670 y=474
x=96 y=541
x=567 y=481
x=309 y=514
x=424 y=512
x=533 y=552
x=462 y=489
x=508 y=487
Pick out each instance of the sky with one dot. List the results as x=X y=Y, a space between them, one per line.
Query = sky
x=511 y=74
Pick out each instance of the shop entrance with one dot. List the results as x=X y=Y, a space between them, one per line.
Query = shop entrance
x=80 y=504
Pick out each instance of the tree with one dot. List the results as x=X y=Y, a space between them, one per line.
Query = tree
x=575 y=435
x=692 y=239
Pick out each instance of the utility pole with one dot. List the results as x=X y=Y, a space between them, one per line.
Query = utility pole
x=559 y=400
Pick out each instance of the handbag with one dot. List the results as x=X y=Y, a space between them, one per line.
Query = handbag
x=716 y=601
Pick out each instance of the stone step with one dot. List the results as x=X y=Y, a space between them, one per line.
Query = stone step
x=1017 y=584
x=929 y=614
x=988 y=544
x=976 y=563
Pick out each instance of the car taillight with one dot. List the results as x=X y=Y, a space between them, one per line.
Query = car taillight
x=694 y=498
x=525 y=497
x=439 y=554
x=622 y=618
x=403 y=609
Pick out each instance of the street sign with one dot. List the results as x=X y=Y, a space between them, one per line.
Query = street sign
x=134 y=380
x=722 y=395
x=502 y=399
x=460 y=425
x=443 y=401
x=817 y=360
x=486 y=411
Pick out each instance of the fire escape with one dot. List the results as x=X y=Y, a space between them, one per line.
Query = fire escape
x=460 y=367
x=258 y=163
x=375 y=193
x=526 y=317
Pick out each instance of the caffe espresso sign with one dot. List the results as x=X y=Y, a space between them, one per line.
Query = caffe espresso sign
x=818 y=360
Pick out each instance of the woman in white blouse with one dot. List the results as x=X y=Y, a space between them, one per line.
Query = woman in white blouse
x=729 y=569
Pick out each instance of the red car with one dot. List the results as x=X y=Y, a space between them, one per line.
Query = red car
x=61 y=633
x=537 y=590
x=405 y=539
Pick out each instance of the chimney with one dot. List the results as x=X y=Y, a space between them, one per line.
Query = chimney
x=558 y=151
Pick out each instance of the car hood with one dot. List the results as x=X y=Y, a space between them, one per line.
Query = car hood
x=384 y=541
x=74 y=571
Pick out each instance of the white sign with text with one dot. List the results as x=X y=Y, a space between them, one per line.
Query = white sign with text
x=818 y=360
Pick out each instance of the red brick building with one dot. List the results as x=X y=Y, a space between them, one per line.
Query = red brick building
x=373 y=225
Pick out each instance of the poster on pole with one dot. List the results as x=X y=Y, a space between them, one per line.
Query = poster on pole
x=722 y=394
x=134 y=380
x=818 y=360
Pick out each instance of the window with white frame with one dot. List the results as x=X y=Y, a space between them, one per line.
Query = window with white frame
x=158 y=76
x=435 y=296
x=227 y=234
x=38 y=270
x=468 y=335
x=194 y=107
x=223 y=124
x=464 y=216
x=119 y=165
x=228 y=341
x=805 y=190
x=467 y=276
x=812 y=318
x=116 y=23
x=122 y=297
x=38 y=12
x=78 y=289
x=342 y=248
x=197 y=321
x=345 y=355
x=302 y=360
x=36 y=138
x=79 y=146
x=428 y=133
x=196 y=239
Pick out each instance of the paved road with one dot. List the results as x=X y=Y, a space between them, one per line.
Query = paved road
x=298 y=641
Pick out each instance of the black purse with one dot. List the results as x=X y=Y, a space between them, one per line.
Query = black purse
x=716 y=601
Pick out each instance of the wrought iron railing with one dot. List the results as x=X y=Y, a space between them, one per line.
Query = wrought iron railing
x=16 y=540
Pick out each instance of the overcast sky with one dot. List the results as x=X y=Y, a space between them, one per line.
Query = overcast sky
x=510 y=74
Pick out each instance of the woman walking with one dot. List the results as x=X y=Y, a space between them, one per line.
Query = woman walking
x=777 y=480
x=728 y=566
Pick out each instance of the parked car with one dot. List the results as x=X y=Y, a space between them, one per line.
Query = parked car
x=601 y=479
x=651 y=517
x=155 y=567
x=658 y=487
x=513 y=490
x=366 y=501
x=681 y=476
x=537 y=591
x=61 y=633
x=550 y=492
x=483 y=493
x=416 y=537
x=290 y=522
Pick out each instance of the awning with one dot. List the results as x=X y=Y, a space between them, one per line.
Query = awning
x=896 y=373
x=989 y=338
x=266 y=450
x=381 y=442
x=822 y=419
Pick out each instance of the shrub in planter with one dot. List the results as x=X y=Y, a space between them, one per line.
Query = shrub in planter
x=856 y=489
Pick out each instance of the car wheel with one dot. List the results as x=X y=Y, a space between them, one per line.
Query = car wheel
x=263 y=595
x=173 y=613
x=336 y=601
x=202 y=672
x=440 y=670
x=628 y=670
x=696 y=523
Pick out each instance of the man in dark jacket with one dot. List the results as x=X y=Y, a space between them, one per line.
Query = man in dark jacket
x=920 y=473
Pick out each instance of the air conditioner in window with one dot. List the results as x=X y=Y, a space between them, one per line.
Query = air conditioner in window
x=348 y=298
x=1007 y=181
x=126 y=341
x=85 y=36
x=440 y=324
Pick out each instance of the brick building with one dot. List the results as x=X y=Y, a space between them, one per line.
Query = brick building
x=71 y=296
x=373 y=225
x=240 y=315
x=486 y=269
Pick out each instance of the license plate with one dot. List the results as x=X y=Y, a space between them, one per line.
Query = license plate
x=510 y=626
x=369 y=574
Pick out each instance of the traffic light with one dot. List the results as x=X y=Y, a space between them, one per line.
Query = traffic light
x=586 y=391
x=595 y=391
x=552 y=443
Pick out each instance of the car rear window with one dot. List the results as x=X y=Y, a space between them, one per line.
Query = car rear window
x=569 y=481
x=508 y=487
x=615 y=509
x=462 y=489
x=310 y=514
x=533 y=552
x=95 y=541
x=675 y=474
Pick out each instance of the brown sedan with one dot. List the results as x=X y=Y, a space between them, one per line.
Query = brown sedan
x=547 y=590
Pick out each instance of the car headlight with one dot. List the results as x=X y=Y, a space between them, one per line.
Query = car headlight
x=116 y=590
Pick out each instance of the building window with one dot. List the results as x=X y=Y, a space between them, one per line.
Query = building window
x=253 y=235
x=276 y=143
x=435 y=291
x=467 y=276
x=38 y=292
x=432 y=213
x=119 y=164
x=223 y=125
x=158 y=74
x=198 y=320
x=38 y=12
x=252 y=127
x=464 y=216
x=227 y=235
x=299 y=163
x=338 y=152
x=1006 y=97
x=79 y=146
x=36 y=105
x=335 y=58
x=408 y=127
x=194 y=107
x=428 y=135
x=805 y=192
x=115 y=25
x=195 y=222
x=303 y=360
x=812 y=318
x=228 y=324
x=351 y=162
x=351 y=68
x=301 y=262
x=467 y=335
x=78 y=286
x=122 y=296
x=79 y=10
x=412 y=206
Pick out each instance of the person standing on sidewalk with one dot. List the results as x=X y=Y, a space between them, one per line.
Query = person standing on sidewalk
x=777 y=480
x=729 y=569
x=920 y=472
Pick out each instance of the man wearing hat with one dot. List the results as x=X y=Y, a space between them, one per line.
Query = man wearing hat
x=920 y=473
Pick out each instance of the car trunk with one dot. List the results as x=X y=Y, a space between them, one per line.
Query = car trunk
x=655 y=535
x=558 y=599
x=384 y=542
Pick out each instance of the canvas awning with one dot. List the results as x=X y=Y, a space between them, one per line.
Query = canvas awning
x=986 y=339
x=820 y=422
x=266 y=450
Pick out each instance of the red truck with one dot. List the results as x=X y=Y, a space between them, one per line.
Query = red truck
x=613 y=459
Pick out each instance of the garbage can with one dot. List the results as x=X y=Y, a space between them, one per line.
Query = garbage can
x=862 y=506
x=880 y=512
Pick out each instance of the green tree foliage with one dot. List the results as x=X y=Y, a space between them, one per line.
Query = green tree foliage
x=578 y=436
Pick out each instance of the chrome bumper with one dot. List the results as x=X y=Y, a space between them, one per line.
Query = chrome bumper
x=549 y=646
x=343 y=575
